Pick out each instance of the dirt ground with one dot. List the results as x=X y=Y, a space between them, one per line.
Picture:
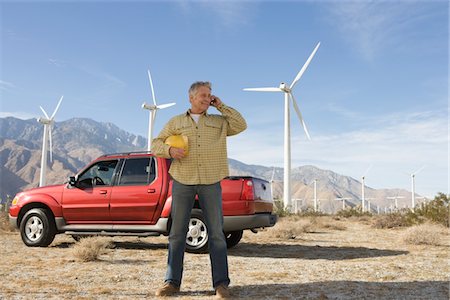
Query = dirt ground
x=351 y=261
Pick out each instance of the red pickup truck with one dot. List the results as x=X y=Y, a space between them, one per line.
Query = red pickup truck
x=130 y=194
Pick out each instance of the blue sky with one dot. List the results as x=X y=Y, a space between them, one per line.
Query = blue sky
x=376 y=93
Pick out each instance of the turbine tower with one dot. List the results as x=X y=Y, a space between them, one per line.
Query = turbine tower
x=413 y=187
x=152 y=115
x=288 y=96
x=363 y=199
x=47 y=140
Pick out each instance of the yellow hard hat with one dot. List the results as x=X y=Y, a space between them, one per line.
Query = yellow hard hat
x=178 y=141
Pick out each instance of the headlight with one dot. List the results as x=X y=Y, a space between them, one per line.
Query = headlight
x=15 y=200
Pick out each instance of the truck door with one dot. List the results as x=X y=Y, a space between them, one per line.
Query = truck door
x=134 y=198
x=88 y=200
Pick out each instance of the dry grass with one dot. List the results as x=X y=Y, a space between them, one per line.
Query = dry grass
x=294 y=227
x=4 y=222
x=90 y=248
x=291 y=228
x=426 y=234
x=321 y=262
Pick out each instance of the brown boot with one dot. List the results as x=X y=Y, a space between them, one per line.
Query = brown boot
x=222 y=292
x=168 y=289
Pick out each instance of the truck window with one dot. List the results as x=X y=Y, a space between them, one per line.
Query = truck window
x=100 y=173
x=138 y=171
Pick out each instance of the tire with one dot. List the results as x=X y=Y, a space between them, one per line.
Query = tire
x=197 y=236
x=233 y=238
x=37 y=228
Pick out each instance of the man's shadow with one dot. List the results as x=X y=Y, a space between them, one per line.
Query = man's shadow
x=274 y=250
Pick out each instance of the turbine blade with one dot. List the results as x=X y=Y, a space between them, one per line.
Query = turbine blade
x=50 y=140
x=57 y=107
x=45 y=114
x=415 y=173
x=165 y=105
x=263 y=89
x=368 y=169
x=303 y=69
x=151 y=86
x=299 y=114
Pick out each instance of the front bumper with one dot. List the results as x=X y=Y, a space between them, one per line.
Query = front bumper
x=234 y=223
x=13 y=222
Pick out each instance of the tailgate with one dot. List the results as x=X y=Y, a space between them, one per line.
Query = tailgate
x=263 y=196
x=246 y=196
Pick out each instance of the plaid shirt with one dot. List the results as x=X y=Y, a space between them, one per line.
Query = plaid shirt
x=207 y=161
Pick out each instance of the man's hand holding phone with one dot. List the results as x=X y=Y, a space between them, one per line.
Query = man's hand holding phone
x=215 y=101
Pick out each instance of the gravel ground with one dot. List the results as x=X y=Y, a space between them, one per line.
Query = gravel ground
x=352 y=261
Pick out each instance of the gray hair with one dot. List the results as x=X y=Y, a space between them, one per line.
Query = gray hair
x=194 y=87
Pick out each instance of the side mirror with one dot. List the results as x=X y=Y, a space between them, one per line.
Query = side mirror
x=72 y=180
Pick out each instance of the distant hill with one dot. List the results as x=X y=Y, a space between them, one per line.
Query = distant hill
x=78 y=141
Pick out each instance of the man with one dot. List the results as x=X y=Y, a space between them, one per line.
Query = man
x=198 y=172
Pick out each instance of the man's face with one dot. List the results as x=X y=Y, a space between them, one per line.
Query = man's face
x=201 y=100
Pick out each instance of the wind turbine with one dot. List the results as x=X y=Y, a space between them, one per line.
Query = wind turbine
x=288 y=96
x=395 y=199
x=343 y=201
x=152 y=108
x=315 y=195
x=363 y=200
x=413 y=187
x=47 y=139
x=272 y=181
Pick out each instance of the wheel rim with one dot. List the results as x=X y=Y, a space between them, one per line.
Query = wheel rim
x=197 y=235
x=34 y=228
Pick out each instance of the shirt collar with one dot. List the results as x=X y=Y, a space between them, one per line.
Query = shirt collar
x=188 y=113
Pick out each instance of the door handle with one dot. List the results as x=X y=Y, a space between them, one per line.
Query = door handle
x=103 y=192
x=151 y=191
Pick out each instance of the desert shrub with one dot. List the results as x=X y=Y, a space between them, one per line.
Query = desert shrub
x=396 y=219
x=425 y=234
x=280 y=210
x=437 y=210
x=312 y=213
x=4 y=222
x=291 y=228
x=352 y=212
x=90 y=248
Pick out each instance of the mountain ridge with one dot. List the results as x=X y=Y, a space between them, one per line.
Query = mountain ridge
x=78 y=141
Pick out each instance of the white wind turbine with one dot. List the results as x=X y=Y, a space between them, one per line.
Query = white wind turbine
x=288 y=96
x=272 y=180
x=47 y=139
x=363 y=199
x=152 y=108
x=413 y=187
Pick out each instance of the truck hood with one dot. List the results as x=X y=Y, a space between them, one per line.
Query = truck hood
x=53 y=191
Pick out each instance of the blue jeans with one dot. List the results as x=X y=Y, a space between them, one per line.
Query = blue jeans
x=210 y=198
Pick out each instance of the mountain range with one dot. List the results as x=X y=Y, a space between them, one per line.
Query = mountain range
x=78 y=141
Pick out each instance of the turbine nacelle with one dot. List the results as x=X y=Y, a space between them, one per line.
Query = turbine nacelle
x=149 y=106
x=45 y=121
x=284 y=87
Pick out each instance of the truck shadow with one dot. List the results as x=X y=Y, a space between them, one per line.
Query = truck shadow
x=345 y=290
x=308 y=252
x=133 y=245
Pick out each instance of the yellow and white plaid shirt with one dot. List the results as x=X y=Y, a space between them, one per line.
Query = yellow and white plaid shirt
x=207 y=161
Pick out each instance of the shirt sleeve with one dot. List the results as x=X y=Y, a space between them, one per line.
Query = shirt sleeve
x=236 y=123
x=159 y=148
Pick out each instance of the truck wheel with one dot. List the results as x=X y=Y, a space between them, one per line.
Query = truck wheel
x=37 y=228
x=197 y=236
x=233 y=238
